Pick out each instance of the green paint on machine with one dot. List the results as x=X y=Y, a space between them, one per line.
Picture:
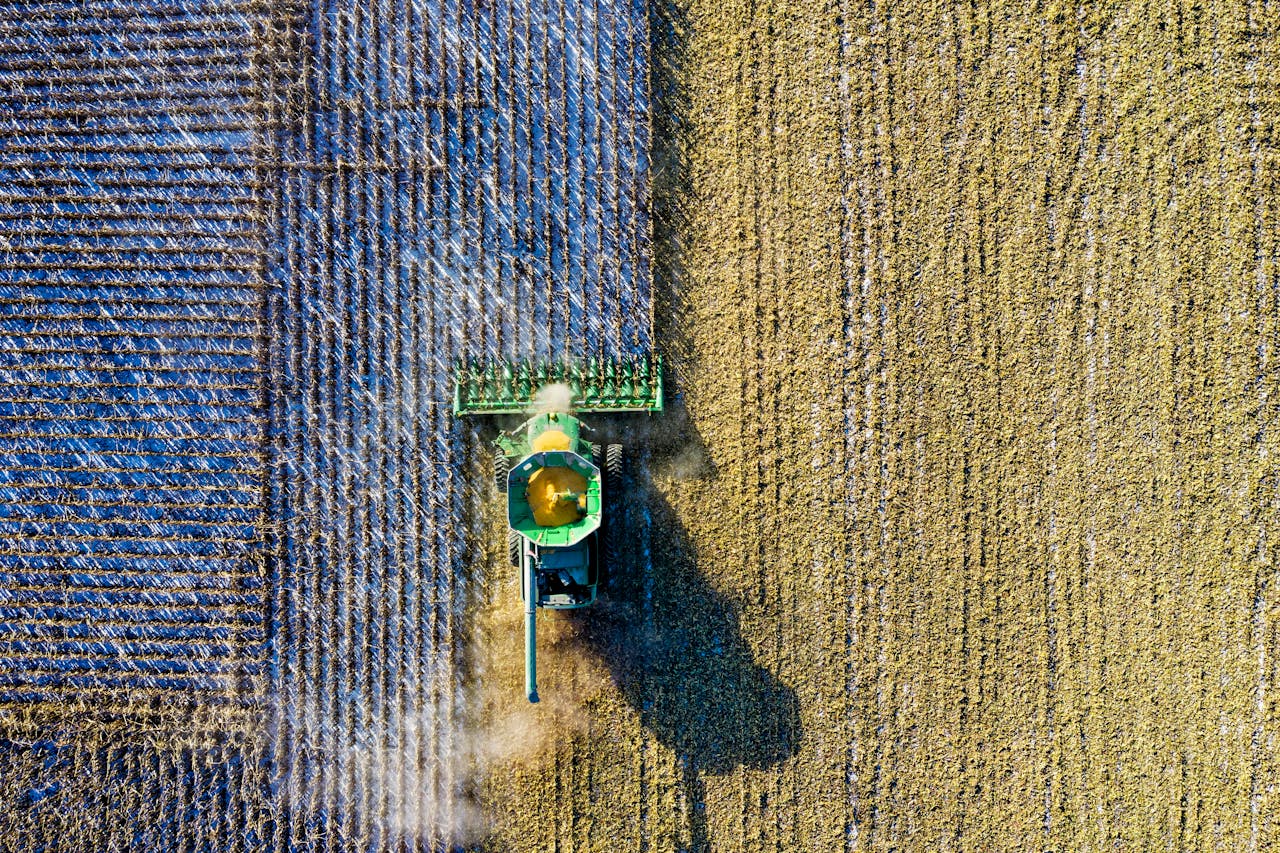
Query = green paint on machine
x=594 y=385
x=559 y=562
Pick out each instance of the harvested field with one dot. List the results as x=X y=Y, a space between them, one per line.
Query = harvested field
x=973 y=315
x=959 y=532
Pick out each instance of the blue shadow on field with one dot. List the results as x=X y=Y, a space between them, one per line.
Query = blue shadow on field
x=672 y=641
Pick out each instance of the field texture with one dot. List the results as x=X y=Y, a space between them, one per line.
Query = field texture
x=974 y=312
x=969 y=539
x=131 y=423
x=959 y=532
x=243 y=246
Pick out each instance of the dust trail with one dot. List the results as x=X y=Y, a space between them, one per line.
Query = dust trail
x=506 y=729
x=416 y=774
x=418 y=795
x=414 y=777
x=506 y=734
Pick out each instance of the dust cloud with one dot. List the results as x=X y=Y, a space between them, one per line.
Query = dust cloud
x=417 y=775
x=556 y=397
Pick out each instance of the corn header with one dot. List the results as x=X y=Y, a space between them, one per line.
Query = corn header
x=553 y=476
x=594 y=385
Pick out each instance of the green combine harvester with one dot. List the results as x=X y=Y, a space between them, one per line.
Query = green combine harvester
x=553 y=476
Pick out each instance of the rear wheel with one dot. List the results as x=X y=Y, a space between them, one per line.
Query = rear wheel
x=513 y=547
x=501 y=467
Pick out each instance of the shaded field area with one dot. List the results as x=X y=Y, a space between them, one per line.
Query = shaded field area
x=967 y=538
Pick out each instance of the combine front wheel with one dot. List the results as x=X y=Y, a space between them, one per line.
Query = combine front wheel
x=613 y=461
x=501 y=467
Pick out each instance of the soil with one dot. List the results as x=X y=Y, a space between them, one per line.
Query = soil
x=959 y=532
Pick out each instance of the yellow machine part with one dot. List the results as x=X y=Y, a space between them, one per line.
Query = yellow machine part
x=552 y=439
x=556 y=495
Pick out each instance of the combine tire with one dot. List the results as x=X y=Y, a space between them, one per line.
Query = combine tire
x=501 y=467
x=513 y=548
x=610 y=551
x=596 y=458
x=613 y=462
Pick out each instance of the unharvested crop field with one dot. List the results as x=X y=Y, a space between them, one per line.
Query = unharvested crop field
x=960 y=530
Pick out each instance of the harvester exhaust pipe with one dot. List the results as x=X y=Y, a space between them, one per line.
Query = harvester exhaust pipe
x=531 y=632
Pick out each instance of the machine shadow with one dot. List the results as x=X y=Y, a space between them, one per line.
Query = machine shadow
x=672 y=642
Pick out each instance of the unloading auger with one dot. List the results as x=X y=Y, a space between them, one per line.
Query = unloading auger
x=553 y=476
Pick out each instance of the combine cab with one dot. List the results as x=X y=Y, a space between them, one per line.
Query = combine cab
x=553 y=477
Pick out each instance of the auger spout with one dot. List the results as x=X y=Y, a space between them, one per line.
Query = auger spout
x=531 y=632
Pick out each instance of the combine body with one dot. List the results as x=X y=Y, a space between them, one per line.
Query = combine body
x=554 y=487
x=552 y=476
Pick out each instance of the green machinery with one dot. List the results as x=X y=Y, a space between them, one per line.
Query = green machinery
x=553 y=476
x=596 y=385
